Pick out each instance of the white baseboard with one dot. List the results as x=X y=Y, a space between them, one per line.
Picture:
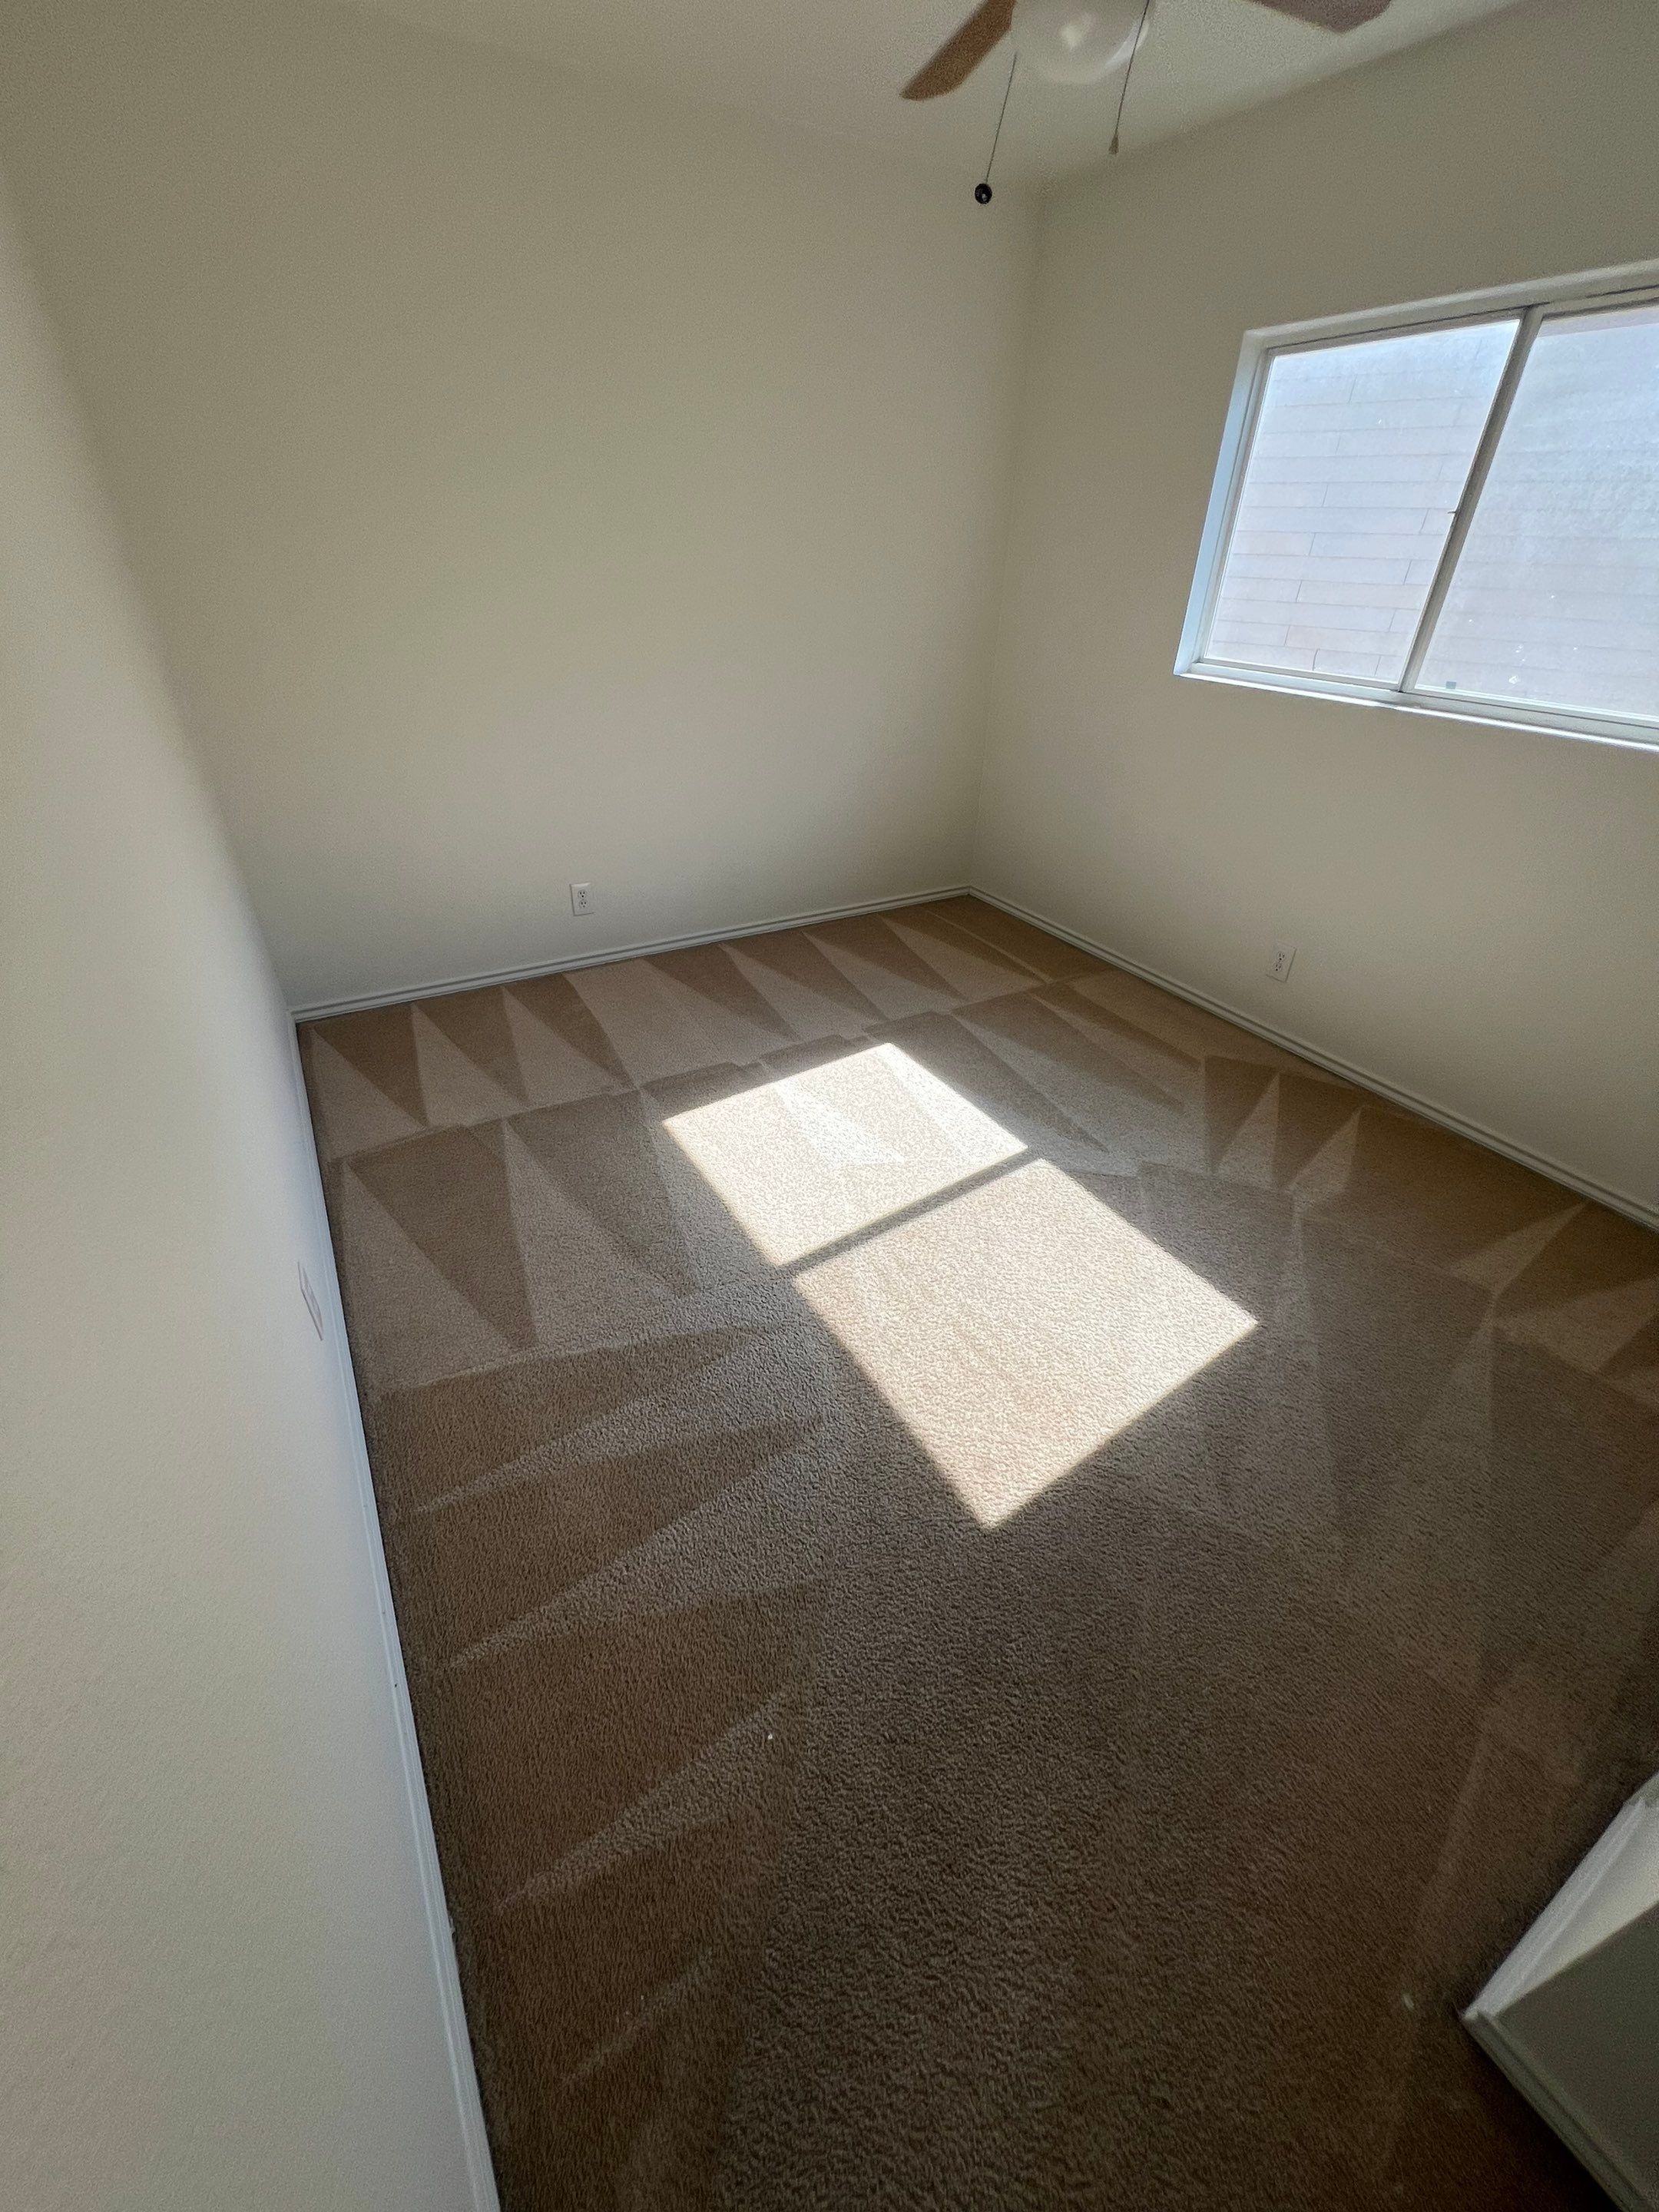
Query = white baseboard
x=450 y=983
x=470 y=2106
x=480 y=2171
x=1501 y=2008
x=1558 y=1171
x=1621 y=1202
x=1558 y=2109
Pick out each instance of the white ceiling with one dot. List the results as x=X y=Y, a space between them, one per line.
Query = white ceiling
x=836 y=66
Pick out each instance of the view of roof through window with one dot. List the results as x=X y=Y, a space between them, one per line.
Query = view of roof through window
x=1363 y=452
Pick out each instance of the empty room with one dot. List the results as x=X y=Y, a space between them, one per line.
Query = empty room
x=830 y=1105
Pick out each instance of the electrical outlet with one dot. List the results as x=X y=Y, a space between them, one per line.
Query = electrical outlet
x=581 y=898
x=1278 y=967
x=314 y=1303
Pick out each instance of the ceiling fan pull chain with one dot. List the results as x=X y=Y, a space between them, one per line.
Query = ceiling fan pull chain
x=982 y=189
x=1129 y=71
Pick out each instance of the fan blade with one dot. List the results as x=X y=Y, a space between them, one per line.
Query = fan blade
x=963 y=52
x=1328 y=14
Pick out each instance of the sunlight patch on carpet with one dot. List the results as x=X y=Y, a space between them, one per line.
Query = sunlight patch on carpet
x=1015 y=1325
x=817 y=1156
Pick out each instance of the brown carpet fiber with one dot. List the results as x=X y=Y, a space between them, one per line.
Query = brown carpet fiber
x=1010 y=1595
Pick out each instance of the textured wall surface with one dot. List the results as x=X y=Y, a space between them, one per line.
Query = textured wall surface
x=220 y=1985
x=1472 y=906
x=530 y=483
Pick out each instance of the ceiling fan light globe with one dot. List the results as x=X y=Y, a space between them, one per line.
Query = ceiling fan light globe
x=1075 y=41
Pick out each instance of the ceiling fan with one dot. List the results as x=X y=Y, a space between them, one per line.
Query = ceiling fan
x=1082 y=41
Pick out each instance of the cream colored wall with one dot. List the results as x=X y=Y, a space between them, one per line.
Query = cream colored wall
x=220 y=1984
x=534 y=484
x=1475 y=909
x=530 y=483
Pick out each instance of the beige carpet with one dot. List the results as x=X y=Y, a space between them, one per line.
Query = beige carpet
x=1010 y=1595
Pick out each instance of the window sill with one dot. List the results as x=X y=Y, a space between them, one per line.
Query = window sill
x=1490 y=714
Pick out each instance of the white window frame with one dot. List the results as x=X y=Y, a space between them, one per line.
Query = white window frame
x=1534 y=305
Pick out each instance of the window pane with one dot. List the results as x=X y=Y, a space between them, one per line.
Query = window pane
x=1360 y=456
x=1555 y=601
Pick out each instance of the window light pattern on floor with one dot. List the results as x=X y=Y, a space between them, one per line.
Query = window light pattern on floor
x=1013 y=1320
x=819 y=1829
